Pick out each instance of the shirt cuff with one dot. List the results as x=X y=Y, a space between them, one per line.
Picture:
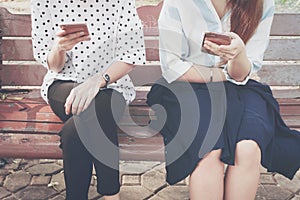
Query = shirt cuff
x=228 y=78
x=172 y=74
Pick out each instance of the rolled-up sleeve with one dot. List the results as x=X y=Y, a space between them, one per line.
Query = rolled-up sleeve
x=173 y=44
x=42 y=33
x=258 y=43
x=130 y=37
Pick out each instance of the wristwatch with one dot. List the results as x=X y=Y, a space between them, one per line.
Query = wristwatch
x=106 y=77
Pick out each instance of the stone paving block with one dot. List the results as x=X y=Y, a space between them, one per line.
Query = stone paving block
x=40 y=180
x=187 y=180
x=297 y=197
x=43 y=161
x=131 y=180
x=12 y=164
x=94 y=180
x=35 y=193
x=4 y=171
x=161 y=168
x=59 y=197
x=272 y=192
x=44 y=169
x=174 y=193
x=156 y=198
x=26 y=163
x=93 y=194
x=1 y=180
x=58 y=182
x=136 y=167
x=153 y=180
x=267 y=179
x=16 y=181
x=263 y=170
x=60 y=162
x=134 y=193
x=10 y=198
x=285 y=183
x=4 y=193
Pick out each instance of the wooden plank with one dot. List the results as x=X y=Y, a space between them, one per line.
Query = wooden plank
x=47 y=146
x=15 y=75
x=32 y=75
x=284 y=24
x=286 y=94
x=284 y=74
x=17 y=50
x=145 y=75
x=278 y=50
x=149 y=16
x=283 y=49
x=14 y=24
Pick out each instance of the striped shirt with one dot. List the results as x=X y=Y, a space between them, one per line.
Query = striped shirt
x=182 y=25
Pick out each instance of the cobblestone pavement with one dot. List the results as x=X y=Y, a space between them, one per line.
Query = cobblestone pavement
x=43 y=179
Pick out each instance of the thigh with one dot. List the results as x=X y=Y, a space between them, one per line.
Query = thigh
x=57 y=95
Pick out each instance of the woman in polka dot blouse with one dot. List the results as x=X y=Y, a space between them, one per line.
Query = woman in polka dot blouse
x=87 y=82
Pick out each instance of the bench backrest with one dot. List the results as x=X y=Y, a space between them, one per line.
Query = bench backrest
x=19 y=69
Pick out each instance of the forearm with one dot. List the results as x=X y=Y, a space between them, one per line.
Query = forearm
x=56 y=59
x=239 y=67
x=116 y=71
x=201 y=74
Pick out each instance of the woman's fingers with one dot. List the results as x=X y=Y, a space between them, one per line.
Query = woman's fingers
x=69 y=102
x=67 y=42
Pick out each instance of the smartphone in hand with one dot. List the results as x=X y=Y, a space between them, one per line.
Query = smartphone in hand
x=218 y=38
x=73 y=28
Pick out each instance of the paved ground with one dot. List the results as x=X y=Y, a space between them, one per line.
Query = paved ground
x=43 y=179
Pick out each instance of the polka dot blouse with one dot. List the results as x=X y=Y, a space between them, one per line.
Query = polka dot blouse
x=115 y=31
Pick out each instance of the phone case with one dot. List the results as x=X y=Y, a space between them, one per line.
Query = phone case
x=73 y=28
x=217 y=38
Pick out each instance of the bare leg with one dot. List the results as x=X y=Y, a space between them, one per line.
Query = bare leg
x=113 y=197
x=242 y=180
x=207 y=180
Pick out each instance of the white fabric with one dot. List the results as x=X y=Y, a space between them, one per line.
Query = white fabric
x=116 y=35
x=182 y=25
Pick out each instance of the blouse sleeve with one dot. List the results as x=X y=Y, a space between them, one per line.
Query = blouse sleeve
x=173 y=44
x=42 y=32
x=258 y=43
x=130 y=37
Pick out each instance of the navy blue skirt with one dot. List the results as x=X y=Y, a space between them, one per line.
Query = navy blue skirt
x=197 y=118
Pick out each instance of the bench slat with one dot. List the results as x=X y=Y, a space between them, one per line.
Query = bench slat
x=282 y=74
x=32 y=75
x=283 y=23
x=286 y=24
x=278 y=50
x=46 y=146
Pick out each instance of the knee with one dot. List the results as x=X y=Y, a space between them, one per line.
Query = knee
x=212 y=161
x=248 y=153
x=68 y=134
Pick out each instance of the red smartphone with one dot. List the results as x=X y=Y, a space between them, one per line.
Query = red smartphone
x=218 y=38
x=73 y=28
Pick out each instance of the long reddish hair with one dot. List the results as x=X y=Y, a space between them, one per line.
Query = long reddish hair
x=245 y=17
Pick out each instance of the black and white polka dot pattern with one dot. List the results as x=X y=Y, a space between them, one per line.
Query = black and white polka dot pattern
x=115 y=31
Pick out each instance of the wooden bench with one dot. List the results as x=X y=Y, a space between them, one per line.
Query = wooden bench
x=28 y=128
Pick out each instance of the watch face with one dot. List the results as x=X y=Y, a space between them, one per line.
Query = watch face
x=107 y=78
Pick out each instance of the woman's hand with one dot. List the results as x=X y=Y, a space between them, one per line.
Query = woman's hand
x=65 y=42
x=227 y=52
x=82 y=95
